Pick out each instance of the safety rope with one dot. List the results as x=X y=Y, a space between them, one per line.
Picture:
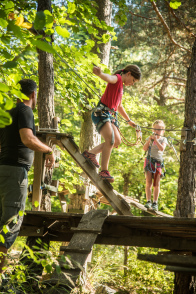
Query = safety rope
x=169 y=139
x=126 y=142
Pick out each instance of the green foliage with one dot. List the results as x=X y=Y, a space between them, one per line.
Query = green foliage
x=107 y=267
x=174 y=4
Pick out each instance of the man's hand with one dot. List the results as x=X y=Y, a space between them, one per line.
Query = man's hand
x=50 y=160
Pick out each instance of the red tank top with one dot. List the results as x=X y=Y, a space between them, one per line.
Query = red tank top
x=113 y=94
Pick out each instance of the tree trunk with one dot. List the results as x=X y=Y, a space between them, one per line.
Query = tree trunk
x=46 y=98
x=185 y=206
x=46 y=80
x=88 y=135
x=126 y=183
x=46 y=114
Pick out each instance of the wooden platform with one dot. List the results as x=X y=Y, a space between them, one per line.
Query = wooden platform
x=168 y=233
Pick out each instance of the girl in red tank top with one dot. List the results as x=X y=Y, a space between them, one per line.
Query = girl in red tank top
x=105 y=124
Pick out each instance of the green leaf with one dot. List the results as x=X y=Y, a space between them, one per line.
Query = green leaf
x=9 y=5
x=58 y=269
x=49 y=19
x=49 y=32
x=2 y=14
x=21 y=213
x=36 y=203
x=48 y=268
x=3 y=23
x=19 y=94
x=4 y=88
x=2 y=240
x=71 y=8
x=6 y=229
x=10 y=64
x=5 y=118
x=40 y=20
x=62 y=32
x=175 y=4
x=9 y=104
x=16 y=30
x=44 y=46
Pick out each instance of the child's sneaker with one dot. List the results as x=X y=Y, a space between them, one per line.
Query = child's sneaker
x=104 y=174
x=92 y=157
x=155 y=206
x=148 y=204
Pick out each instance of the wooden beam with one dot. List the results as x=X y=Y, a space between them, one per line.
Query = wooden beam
x=170 y=259
x=167 y=233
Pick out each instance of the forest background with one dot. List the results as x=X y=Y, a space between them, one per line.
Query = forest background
x=158 y=37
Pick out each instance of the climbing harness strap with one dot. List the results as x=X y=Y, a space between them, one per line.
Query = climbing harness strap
x=103 y=110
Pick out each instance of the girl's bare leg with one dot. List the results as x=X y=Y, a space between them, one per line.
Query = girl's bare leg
x=106 y=147
x=148 y=185
x=157 y=188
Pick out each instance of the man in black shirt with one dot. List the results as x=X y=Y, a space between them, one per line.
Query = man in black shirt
x=18 y=143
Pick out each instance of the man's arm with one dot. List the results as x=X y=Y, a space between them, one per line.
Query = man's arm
x=33 y=143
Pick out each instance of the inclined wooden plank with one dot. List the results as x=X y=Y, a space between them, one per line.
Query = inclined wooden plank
x=106 y=189
x=140 y=206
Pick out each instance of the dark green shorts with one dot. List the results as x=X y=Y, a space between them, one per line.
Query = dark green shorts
x=13 y=193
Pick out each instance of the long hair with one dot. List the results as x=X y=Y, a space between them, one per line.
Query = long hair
x=133 y=69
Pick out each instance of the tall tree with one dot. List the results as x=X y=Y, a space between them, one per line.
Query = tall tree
x=185 y=206
x=46 y=79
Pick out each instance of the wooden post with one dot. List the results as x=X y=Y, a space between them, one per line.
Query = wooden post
x=38 y=174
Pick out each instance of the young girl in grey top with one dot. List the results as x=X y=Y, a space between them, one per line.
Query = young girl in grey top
x=154 y=163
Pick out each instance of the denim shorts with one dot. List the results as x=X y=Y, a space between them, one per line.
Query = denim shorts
x=13 y=193
x=99 y=121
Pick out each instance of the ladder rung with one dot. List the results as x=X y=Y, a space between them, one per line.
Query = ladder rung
x=83 y=230
x=74 y=250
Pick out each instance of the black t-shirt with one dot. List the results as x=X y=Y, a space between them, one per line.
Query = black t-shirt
x=13 y=151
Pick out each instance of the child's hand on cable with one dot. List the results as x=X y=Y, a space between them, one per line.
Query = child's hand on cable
x=97 y=70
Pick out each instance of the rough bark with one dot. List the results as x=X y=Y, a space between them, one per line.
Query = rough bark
x=126 y=177
x=185 y=206
x=88 y=136
x=46 y=80
x=45 y=114
x=45 y=97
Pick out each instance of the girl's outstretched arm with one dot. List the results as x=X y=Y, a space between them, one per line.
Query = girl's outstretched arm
x=106 y=77
x=122 y=111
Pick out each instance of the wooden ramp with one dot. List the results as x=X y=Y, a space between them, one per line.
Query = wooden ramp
x=133 y=202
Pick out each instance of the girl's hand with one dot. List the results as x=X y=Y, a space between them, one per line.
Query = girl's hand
x=132 y=124
x=97 y=71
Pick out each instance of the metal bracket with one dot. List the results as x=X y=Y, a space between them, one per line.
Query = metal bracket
x=183 y=139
